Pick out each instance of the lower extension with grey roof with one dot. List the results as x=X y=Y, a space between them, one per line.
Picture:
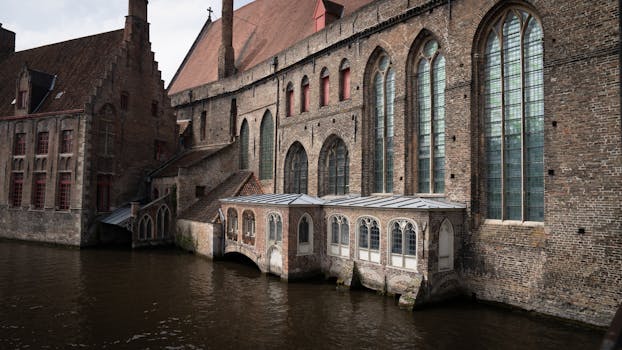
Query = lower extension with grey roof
x=397 y=244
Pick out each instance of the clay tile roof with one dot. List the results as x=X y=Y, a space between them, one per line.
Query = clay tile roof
x=261 y=30
x=206 y=208
x=77 y=64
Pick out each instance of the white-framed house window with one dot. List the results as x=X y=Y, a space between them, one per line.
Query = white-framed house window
x=368 y=233
x=339 y=236
x=403 y=240
x=275 y=228
x=305 y=235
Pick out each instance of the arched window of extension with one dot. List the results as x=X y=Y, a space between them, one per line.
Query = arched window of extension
x=368 y=239
x=145 y=228
x=232 y=224
x=296 y=166
x=305 y=235
x=403 y=237
x=513 y=108
x=383 y=113
x=446 y=246
x=289 y=95
x=324 y=87
x=248 y=228
x=334 y=167
x=163 y=220
x=304 y=95
x=344 y=80
x=203 y=126
x=339 y=243
x=275 y=228
x=244 y=145
x=266 y=150
x=431 y=115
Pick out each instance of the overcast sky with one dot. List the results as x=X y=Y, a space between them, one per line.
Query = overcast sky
x=174 y=23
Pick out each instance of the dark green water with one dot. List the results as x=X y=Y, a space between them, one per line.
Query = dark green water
x=64 y=298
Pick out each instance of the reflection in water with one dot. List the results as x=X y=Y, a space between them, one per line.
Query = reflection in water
x=58 y=298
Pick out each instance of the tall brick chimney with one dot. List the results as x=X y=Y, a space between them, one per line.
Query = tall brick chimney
x=136 y=26
x=7 y=42
x=225 y=53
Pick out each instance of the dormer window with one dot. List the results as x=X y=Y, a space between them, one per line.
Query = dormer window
x=326 y=12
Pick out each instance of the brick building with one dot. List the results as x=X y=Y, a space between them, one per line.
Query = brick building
x=82 y=123
x=506 y=111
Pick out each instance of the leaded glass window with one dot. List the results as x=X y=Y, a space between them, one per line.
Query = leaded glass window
x=369 y=239
x=431 y=112
x=266 y=150
x=296 y=170
x=336 y=170
x=403 y=237
x=514 y=118
x=339 y=236
x=244 y=145
x=383 y=109
x=275 y=228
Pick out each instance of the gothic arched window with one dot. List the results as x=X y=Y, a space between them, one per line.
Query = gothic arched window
x=266 y=147
x=334 y=168
x=296 y=166
x=368 y=239
x=431 y=116
x=305 y=235
x=446 y=246
x=232 y=224
x=513 y=107
x=403 y=237
x=383 y=113
x=289 y=96
x=244 y=145
x=275 y=228
x=339 y=242
x=248 y=227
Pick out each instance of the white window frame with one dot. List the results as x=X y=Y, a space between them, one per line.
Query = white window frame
x=403 y=260
x=276 y=240
x=368 y=254
x=339 y=249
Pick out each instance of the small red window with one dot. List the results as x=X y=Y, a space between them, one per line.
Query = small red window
x=16 y=190
x=42 y=143
x=19 y=147
x=64 y=190
x=345 y=84
x=38 y=191
x=66 y=141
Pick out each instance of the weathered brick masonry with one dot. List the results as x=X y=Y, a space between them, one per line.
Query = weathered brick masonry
x=569 y=264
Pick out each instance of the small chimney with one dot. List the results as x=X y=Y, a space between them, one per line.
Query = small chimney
x=225 y=53
x=136 y=26
x=7 y=42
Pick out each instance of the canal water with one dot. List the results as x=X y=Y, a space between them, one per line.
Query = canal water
x=66 y=298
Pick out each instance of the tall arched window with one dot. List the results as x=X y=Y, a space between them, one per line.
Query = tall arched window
x=163 y=222
x=383 y=114
x=446 y=246
x=266 y=150
x=403 y=237
x=334 y=167
x=296 y=166
x=244 y=145
x=514 y=117
x=431 y=108
x=344 y=80
x=145 y=228
x=275 y=228
x=368 y=239
x=289 y=95
x=232 y=224
x=203 y=126
x=304 y=95
x=305 y=235
x=248 y=227
x=339 y=243
x=324 y=87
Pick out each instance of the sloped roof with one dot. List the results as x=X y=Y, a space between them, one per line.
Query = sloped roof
x=186 y=160
x=76 y=63
x=393 y=202
x=206 y=208
x=261 y=29
x=276 y=199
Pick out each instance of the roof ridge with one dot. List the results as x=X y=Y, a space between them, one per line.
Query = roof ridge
x=67 y=41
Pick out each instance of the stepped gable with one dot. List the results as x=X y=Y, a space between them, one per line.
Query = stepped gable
x=261 y=30
x=77 y=64
x=206 y=209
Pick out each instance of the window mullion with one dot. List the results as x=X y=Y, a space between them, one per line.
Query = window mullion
x=384 y=134
x=522 y=108
x=502 y=63
x=431 y=115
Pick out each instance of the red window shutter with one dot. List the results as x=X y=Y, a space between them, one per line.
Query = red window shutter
x=325 y=91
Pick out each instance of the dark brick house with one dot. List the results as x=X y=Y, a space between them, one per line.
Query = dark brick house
x=508 y=109
x=82 y=123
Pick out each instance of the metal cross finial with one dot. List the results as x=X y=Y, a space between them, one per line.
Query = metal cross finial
x=209 y=10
